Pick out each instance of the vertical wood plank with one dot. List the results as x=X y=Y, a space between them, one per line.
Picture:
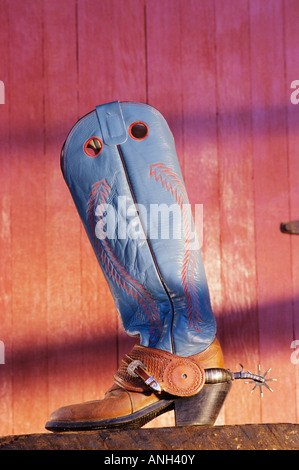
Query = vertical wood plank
x=237 y=232
x=63 y=226
x=111 y=51
x=272 y=205
x=291 y=18
x=28 y=182
x=5 y=234
x=164 y=64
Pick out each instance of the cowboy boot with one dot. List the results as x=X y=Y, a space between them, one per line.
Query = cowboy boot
x=120 y=164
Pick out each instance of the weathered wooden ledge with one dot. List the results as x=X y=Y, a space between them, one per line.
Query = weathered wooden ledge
x=282 y=436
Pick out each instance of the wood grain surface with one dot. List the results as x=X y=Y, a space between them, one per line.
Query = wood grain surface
x=169 y=440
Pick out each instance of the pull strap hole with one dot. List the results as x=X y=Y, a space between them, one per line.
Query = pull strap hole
x=93 y=147
x=138 y=130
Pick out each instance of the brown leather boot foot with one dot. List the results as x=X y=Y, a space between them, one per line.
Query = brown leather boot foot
x=119 y=409
x=149 y=383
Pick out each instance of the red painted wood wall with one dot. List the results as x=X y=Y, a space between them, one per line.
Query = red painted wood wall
x=220 y=71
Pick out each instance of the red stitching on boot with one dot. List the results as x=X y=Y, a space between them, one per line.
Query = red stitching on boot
x=172 y=183
x=99 y=196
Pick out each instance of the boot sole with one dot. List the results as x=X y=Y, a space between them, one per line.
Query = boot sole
x=133 y=421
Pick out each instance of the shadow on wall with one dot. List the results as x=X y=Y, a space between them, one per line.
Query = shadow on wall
x=199 y=122
x=236 y=331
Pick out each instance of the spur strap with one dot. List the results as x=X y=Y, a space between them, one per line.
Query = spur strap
x=152 y=369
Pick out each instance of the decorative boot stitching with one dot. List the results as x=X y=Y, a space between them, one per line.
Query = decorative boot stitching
x=172 y=183
x=98 y=199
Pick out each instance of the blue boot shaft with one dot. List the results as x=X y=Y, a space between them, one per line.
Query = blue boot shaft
x=120 y=164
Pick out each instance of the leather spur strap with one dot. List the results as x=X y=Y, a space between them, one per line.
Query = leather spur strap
x=147 y=369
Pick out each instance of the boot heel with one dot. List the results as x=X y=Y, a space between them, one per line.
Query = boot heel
x=203 y=408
